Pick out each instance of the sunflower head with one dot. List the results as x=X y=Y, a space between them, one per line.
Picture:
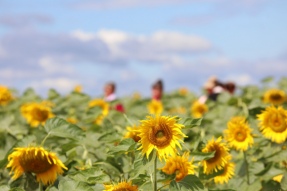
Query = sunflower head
x=273 y=122
x=161 y=133
x=198 y=109
x=180 y=166
x=155 y=107
x=36 y=113
x=274 y=96
x=123 y=186
x=78 y=88
x=133 y=133
x=219 y=160
x=100 y=102
x=37 y=160
x=278 y=178
x=227 y=173
x=5 y=95
x=183 y=91
x=238 y=134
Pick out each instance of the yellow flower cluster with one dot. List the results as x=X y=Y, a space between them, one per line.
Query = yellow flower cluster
x=105 y=109
x=198 y=109
x=123 y=186
x=5 y=95
x=155 y=107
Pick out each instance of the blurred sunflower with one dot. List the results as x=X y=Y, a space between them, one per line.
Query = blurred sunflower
x=278 y=178
x=273 y=124
x=36 y=113
x=183 y=91
x=161 y=133
x=219 y=160
x=105 y=109
x=197 y=109
x=274 y=96
x=180 y=110
x=37 y=160
x=78 y=88
x=133 y=133
x=228 y=172
x=180 y=166
x=238 y=134
x=5 y=95
x=123 y=186
x=155 y=107
x=136 y=96
x=72 y=120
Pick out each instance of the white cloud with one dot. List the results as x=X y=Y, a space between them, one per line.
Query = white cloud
x=53 y=66
x=242 y=79
x=63 y=85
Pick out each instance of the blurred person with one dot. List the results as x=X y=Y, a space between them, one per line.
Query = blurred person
x=157 y=90
x=208 y=87
x=109 y=91
x=218 y=89
x=230 y=87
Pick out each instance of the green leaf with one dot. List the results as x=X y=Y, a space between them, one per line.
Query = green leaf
x=52 y=94
x=191 y=182
x=92 y=176
x=173 y=186
x=110 y=137
x=284 y=181
x=126 y=145
x=16 y=189
x=4 y=188
x=265 y=170
x=73 y=185
x=267 y=79
x=6 y=121
x=92 y=114
x=203 y=176
x=254 y=111
x=200 y=156
x=21 y=143
x=190 y=122
x=59 y=127
x=222 y=190
x=66 y=147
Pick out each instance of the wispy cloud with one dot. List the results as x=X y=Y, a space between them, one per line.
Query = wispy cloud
x=24 y=20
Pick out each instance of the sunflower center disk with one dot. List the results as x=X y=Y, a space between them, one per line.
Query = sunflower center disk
x=160 y=135
x=276 y=96
x=240 y=136
x=277 y=123
x=40 y=115
x=216 y=156
x=34 y=163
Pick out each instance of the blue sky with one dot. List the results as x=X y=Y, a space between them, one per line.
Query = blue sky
x=61 y=43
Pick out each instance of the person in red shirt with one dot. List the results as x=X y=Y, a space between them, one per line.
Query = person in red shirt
x=157 y=90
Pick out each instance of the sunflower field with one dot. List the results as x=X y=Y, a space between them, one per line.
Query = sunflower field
x=79 y=143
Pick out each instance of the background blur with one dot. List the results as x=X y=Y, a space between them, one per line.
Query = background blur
x=61 y=43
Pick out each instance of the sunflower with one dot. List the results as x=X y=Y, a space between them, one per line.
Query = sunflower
x=180 y=110
x=180 y=166
x=198 y=109
x=72 y=120
x=161 y=133
x=219 y=159
x=36 y=113
x=37 y=160
x=273 y=124
x=274 y=96
x=105 y=109
x=155 y=107
x=278 y=178
x=133 y=133
x=238 y=134
x=123 y=186
x=136 y=96
x=183 y=91
x=227 y=173
x=5 y=95
x=78 y=88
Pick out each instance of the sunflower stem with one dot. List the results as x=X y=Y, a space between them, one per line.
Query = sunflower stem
x=246 y=165
x=42 y=143
x=154 y=175
x=40 y=186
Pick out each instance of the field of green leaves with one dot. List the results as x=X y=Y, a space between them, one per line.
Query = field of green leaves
x=79 y=143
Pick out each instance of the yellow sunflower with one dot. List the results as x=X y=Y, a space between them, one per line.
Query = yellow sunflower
x=274 y=96
x=136 y=96
x=123 y=186
x=72 y=120
x=198 y=109
x=5 y=95
x=219 y=159
x=278 y=178
x=78 y=88
x=155 y=107
x=228 y=172
x=161 y=133
x=180 y=110
x=180 y=166
x=273 y=124
x=36 y=113
x=133 y=133
x=238 y=134
x=183 y=91
x=37 y=160
x=104 y=105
